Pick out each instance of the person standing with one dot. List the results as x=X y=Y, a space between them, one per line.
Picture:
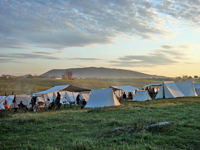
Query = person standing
x=58 y=98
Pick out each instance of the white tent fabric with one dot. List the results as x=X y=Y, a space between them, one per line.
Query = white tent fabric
x=10 y=99
x=169 y=90
x=1 y=105
x=71 y=96
x=197 y=88
x=84 y=95
x=62 y=88
x=40 y=99
x=126 y=89
x=2 y=99
x=187 y=88
x=156 y=84
x=53 y=89
x=63 y=98
x=102 y=98
x=51 y=96
x=197 y=85
x=26 y=99
x=141 y=95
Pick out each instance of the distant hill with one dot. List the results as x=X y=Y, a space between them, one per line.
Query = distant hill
x=93 y=72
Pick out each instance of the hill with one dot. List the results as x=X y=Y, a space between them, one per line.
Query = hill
x=93 y=72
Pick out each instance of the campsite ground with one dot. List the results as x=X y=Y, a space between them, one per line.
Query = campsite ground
x=123 y=127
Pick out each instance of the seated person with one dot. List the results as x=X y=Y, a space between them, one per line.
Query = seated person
x=6 y=105
x=22 y=106
x=83 y=102
x=47 y=104
x=130 y=96
x=124 y=96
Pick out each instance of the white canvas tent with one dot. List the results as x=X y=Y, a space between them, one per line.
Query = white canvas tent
x=187 y=88
x=60 y=88
x=102 y=98
x=51 y=96
x=71 y=96
x=126 y=89
x=155 y=84
x=84 y=96
x=1 y=105
x=26 y=99
x=63 y=99
x=197 y=88
x=10 y=99
x=2 y=99
x=141 y=95
x=68 y=93
x=169 y=90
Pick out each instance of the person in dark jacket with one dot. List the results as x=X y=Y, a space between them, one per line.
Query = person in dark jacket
x=58 y=98
x=124 y=96
x=78 y=99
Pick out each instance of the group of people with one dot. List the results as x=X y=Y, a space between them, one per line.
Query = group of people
x=48 y=104
x=79 y=101
x=151 y=91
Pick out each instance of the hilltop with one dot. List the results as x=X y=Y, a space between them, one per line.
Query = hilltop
x=94 y=72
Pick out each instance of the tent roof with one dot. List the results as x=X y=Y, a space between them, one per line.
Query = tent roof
x=197 y=85
x=127 y=88
x=155 y=84
x=70 y=88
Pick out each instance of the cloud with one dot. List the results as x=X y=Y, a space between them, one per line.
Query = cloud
x=22 y=56
x=185 y=11
x=167 y=55
x=62 y=24
x=85 y=59
x=2 y=60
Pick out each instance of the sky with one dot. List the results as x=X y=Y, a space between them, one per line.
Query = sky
x=158 y=37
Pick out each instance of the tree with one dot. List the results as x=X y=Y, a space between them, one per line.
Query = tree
x=196 y=77
x=69 y=74
x=29 y=76
x=185 y=77
x=190 y=77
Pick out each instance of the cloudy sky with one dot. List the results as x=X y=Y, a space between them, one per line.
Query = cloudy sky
x=159 y=37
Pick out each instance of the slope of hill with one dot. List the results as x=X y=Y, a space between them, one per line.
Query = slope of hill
x=93 y=72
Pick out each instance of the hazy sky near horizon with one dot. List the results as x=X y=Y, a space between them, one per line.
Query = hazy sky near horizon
x=159 y=37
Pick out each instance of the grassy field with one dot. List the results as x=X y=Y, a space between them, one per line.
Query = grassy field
x=26 y=86
x=123 y=127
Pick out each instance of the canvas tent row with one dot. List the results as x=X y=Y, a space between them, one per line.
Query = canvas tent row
x=172 y=89
x=141 y=95
x=102 y=98
x=197 y=88
x=68 y=93
x=118 y=90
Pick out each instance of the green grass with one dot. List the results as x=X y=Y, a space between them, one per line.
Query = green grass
x=75 y=128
